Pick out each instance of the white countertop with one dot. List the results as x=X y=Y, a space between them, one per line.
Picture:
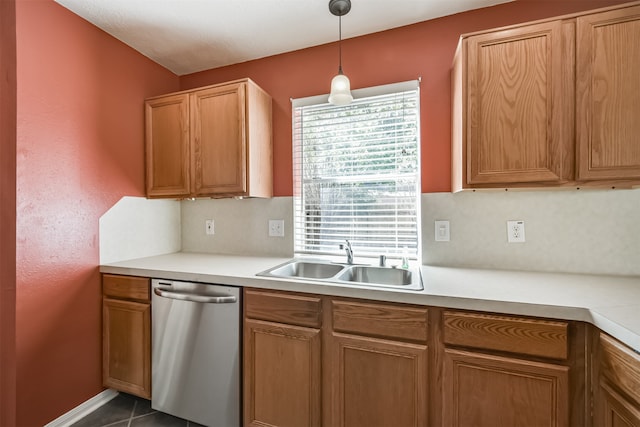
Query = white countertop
x=612 y=303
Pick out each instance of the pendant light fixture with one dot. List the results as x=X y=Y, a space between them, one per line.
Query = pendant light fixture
x=340 y=85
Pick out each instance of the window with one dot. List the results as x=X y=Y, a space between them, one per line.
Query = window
x=357 y=173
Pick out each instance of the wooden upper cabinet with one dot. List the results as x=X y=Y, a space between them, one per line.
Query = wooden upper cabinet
x=216 y=143
x=549 y=104
x=167 y=146
x=219 y=149
x=512 y=99
x=608 y=95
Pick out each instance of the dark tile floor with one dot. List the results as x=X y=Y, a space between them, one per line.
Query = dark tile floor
x=126 y=410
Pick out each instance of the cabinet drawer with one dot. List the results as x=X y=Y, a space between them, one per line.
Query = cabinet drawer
x=381 y=320
x=620 y=365
x=292 y=309
x=531 y=337
x=126 y=287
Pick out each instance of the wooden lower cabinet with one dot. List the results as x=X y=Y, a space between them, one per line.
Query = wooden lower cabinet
x=313 y=360
x=617 y=395
x=126 y=313
x=377 y=382
x=282 y=371
x=320 y=361
x=282 y=359
x=488 y=390
x=507 y=371
x=615 y=410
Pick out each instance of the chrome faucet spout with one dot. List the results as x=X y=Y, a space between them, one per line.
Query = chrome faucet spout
x=348 y=250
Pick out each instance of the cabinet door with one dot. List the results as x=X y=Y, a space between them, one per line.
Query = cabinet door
x=218 y=134
x=167 y=146
x=618 y=400
x=282 y=375
x=127 y=346
x=615 y=410
x=492 y=391
x=517 y=106
x=377 y=382
x=608 y=95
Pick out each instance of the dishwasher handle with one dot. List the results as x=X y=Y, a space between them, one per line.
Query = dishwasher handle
x=166 y=292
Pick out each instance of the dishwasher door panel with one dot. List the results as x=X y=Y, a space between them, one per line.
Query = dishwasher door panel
x=196 y=354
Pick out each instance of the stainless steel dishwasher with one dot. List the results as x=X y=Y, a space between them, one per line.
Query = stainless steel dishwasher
x=195 y=369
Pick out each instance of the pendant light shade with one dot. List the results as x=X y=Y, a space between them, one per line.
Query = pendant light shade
x=340 y=90
x=340 y=85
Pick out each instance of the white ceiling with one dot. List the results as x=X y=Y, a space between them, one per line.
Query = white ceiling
x=187 y=36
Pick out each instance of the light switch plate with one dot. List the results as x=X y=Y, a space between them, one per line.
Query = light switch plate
x=442 y=231
x=209 y=228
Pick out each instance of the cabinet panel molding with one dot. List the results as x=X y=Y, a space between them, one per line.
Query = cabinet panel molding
x=282 y=375
x=616 y=410
x=488 y=391
x=219 y=140
x=127 y=346
x=378 y=383
x=515 y=105
x=620 y=365
x=608 y=95
x=168 y=163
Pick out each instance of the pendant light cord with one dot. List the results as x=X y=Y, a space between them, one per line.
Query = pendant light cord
x=340 y=44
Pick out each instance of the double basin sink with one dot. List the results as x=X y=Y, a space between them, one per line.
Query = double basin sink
x=348 y=274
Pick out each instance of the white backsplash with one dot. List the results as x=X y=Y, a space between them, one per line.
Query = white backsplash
x=575 y=231
x=585 y=231
x=136 y=227
x=241 y=227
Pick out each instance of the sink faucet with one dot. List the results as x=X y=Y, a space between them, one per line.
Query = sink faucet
x=348 y=250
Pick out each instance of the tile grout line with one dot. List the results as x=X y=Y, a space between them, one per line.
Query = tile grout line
x=133 y=411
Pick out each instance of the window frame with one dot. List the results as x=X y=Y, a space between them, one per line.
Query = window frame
x=322 y=100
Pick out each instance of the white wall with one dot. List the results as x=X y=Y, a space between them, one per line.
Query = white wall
x=136 y=227
x=581 y=231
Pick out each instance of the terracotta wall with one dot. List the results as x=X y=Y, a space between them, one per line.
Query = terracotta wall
x=80 y=128
x=79 y=150
x=422 y=50
x=7 y=210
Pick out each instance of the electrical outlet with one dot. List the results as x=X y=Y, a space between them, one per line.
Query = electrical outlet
x=209 y=227
x=276 y=228
x=515 y=231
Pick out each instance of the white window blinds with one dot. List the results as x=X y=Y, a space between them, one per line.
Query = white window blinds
x=357 y=174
